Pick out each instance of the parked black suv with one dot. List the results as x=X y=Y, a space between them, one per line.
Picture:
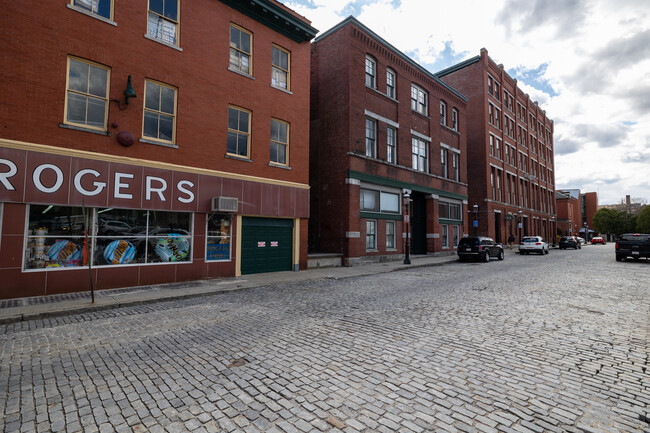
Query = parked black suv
x=479 y=247
x=570 y=242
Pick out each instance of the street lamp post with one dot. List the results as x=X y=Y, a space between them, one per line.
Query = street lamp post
x=407 y=217
x=519 y=224
x=475 y=207
x=553 y=230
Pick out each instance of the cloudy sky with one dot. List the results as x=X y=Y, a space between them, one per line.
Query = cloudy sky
x=587 y=63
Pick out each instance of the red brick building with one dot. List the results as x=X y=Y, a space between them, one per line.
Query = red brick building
x=383 y=128
x=569 y=214
x=151 y=141
x=510 y=151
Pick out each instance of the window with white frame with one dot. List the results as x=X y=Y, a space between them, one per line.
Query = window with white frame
x=456 y=235
x=280 y=61
x=491 y=114
x=371 y=138
x=101 y=8
x=86 y=97
x=447 y=210
x=443 y=113
x=454 y=119
x=279 y=142
x=445 y=235
x=419 y=154
x=371 y=234
x=239 y=127
x=162 y=23
x=390 y=235
x=379 y=201
x=241 y=45
x=68 y=236
x=218 y=237
x=443 y=162
x=419 y=100
x=456 y=165
x=159 y=112
x=391 y=145
x=390 y=83
x=371 y=72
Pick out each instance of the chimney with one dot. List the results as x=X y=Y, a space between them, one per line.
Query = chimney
x=627 y=199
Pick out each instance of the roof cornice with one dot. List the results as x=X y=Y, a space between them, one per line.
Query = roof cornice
x=275 y=17
x=458 y=66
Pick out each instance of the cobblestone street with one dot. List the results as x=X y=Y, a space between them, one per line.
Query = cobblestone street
x=556 y=343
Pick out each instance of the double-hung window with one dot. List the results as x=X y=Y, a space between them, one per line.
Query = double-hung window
x=241 y=43
x=443 y=113
x=456 y=235
x=456 y=166
x=454 y=119
x=419 y=100
x=279 y=142
x=419 y=154
x=163 y=22
x=100 y=8
x=87 y=94
x=280 y=67
x=390 y=83
x=371 y=72
x=443 y=162
x=371 y=234
x=391 y=145
x=390 y=234
x=239 y=127
x=159 y=112
x=371 y=138
x=445 y=235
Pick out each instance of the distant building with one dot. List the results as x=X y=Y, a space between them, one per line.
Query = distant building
x=569 y=215
x=153 y=141
x=510 y=146
x=385 y=133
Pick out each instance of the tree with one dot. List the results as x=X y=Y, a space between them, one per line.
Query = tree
x=643 y=220
x=613 y=221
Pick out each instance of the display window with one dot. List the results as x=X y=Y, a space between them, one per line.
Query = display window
x=218 y=238
x=60 y=236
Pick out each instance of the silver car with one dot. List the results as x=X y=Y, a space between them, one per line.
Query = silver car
x=533 y=244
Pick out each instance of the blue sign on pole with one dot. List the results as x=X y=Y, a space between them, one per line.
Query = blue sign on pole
x=475 y=223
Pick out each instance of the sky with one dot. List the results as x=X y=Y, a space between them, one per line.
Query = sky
x=586 y=62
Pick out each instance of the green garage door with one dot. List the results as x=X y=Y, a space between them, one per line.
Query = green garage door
x=266 y=245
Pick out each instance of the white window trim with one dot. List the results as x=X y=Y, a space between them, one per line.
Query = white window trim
x=382 y=119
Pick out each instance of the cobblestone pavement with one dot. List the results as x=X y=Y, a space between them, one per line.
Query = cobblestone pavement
x=531 y=344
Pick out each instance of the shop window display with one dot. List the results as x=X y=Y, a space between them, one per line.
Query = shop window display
x=56 y=237
x=218 y=237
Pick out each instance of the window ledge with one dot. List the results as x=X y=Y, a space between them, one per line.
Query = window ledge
x=82 y=129
x=242 y=74
x=280 y=88
x=455 y=131
x=382 y=94
x=167 y=44
x=238 y=158
x=98 y=17
x=420 y=114
x=284 y=167
x=158 y=143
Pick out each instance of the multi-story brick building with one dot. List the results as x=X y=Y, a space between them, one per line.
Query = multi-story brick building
x=385 y=133
x=151 y=141
x=510 y=151
x=569 y=213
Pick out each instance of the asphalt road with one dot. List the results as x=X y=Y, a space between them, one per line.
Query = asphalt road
x=530 y=344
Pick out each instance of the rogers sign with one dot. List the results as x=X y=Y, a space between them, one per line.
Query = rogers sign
x=38 y=177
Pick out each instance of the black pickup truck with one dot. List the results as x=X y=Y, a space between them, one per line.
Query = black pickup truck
x=635 y=245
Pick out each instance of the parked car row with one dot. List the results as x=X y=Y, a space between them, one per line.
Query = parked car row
x=570 y=242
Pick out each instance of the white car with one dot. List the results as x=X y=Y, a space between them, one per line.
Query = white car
x=533 y=244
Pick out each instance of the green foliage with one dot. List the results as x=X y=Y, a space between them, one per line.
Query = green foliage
x=614 y=221
x=643 y=220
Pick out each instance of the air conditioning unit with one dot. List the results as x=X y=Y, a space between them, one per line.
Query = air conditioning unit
x=224 y=204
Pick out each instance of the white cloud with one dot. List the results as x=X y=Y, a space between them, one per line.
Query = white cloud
x=594 y=54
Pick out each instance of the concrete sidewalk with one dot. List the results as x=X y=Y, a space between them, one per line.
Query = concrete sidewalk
x=20 y=309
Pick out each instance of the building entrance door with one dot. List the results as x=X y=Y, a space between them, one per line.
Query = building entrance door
x=418 y=224
x=497 y=227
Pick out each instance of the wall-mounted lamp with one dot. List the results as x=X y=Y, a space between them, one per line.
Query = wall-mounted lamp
x=128 y=93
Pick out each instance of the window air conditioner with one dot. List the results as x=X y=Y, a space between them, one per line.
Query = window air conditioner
x=224 y=204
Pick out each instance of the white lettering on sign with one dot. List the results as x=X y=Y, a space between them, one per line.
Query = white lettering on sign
x=160 y=190
x=99 y=186
x=119 y=185
x=4 y=177
x=36 y=177
x=181 y=187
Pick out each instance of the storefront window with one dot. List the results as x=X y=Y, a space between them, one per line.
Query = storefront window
x=218 y=236
x=56 y=237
